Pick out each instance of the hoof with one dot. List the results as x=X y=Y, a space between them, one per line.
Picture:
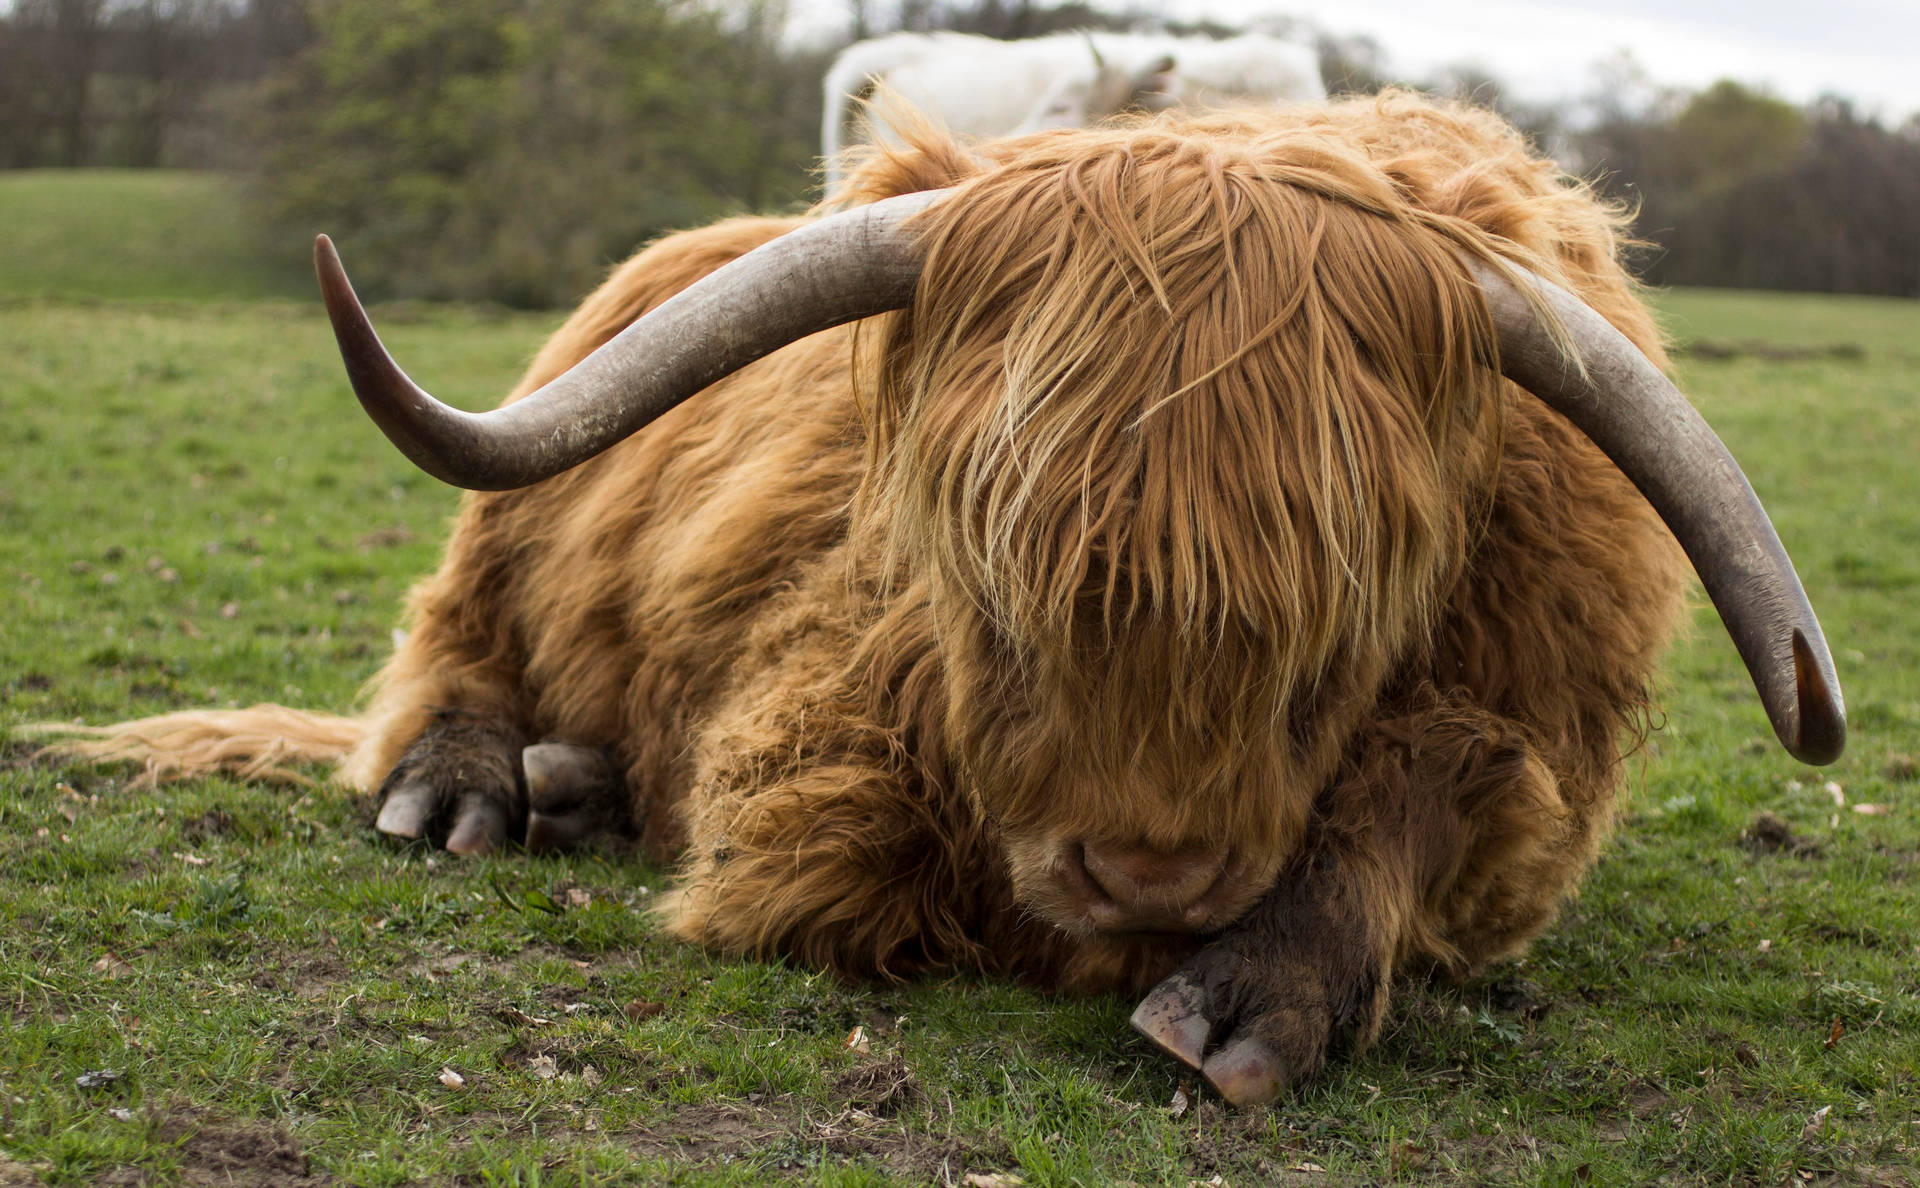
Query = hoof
x=1172 y=1016
x=479 y=827
x=407 y=811
x=571 y=792
x=1246 y=1072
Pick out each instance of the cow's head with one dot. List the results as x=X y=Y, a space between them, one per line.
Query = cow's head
x=1187 y=445
x=1100 y=90
x=1185 y=436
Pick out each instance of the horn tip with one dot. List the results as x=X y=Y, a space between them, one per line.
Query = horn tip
x=336 y=291
x=1820 y=733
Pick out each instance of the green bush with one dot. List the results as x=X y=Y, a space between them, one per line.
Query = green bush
x=511 y=149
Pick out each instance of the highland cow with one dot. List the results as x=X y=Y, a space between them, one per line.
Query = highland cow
x=1205 y=559
x=978 y=86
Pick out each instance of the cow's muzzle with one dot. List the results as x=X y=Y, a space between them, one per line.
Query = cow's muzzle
x=1137 y=888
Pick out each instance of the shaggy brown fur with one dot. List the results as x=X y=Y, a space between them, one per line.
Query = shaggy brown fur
x=1180 y=511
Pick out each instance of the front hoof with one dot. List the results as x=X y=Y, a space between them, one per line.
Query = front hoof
x=575 y=795
x=1246 y=1072
x=1256 y=1024
x=408 y=810
x=1173 y=1017
x=479 y=827
x=457 y=786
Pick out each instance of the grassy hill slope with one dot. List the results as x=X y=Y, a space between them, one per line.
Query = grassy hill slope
x=148 y=234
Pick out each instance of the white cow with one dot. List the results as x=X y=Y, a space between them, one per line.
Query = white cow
x=982 y=87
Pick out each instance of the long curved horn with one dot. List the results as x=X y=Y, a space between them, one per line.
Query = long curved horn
x=1619 y=399
x=863 y=262
x=842 y=268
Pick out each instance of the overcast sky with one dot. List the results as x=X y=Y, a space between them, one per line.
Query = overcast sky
x=1544 y=49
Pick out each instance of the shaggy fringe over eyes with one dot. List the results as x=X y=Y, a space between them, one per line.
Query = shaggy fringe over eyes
x=1189 y=434
x=1237 y=389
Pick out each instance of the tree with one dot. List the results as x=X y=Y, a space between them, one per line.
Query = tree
x=48 y=57
x=512 y=149
x=1737 y=188
x=161 y=57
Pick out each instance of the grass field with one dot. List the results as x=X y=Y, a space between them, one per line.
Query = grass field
x=213 y=983
x=125 y=233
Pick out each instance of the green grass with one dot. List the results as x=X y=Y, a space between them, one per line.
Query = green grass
x=1876 y=325
x=149 y=234
x=194 y=512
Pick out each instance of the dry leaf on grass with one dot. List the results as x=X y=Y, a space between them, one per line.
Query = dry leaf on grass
x=1834 y=1033
x=1816 y=1123
x=543 y=1067
x=1408 y=1154
x=1181 y=1100
x=111 y=965
x=451 y=1079
x=991 y=1180
x=1871 y=810
x=519 y=1018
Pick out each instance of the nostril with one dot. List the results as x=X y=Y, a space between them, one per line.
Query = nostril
x=1080 y=880
x=1132 y=874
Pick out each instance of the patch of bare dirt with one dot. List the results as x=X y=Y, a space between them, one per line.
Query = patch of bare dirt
x=783 y=1132
x=882 y=1088
x=17 y=755
x=572 y=1055
x=230 y=1153
x=1518 y=996
x=384 y=538
x=215 y=822
x=16 y=1175
x=706 y=1133
x=1769 y=833
x=1239 y=1147
x=1644 y=1101
x=309 y=973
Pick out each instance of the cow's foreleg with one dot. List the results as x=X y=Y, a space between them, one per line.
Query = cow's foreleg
x=842 y=865
x=468 y=784
x=813 y=833
x=575 y=795
x=1260 y=1008
x=1447 y=840
x=458 y=784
